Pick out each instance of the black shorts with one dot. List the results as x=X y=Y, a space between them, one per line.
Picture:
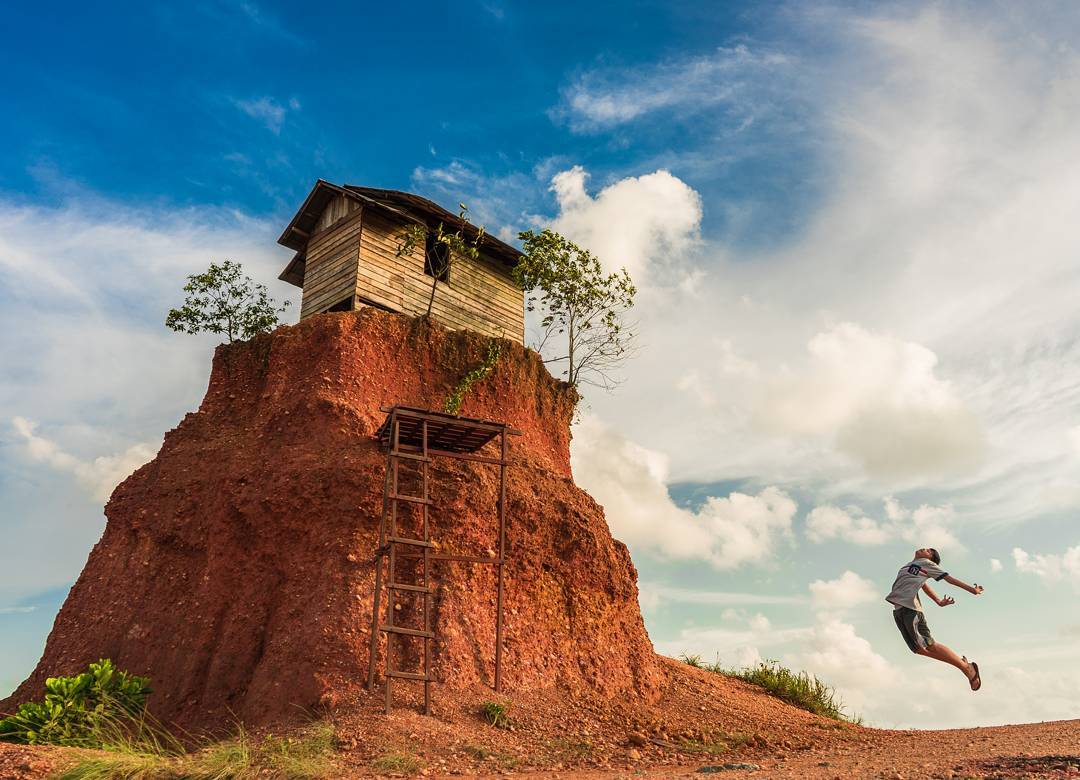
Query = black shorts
x=912 y=625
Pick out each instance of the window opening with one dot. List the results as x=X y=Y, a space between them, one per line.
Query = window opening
x=436 y=258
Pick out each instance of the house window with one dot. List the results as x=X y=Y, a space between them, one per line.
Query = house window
x=436 y=259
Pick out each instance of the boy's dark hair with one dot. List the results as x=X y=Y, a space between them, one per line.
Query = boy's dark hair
x=934 y=556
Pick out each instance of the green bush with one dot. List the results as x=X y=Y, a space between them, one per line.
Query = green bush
x=76 y=708
x=498 y=715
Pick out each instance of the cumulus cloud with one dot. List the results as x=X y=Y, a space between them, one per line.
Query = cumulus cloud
x=845 y=592
x=995 y=565
x=631 y=483
x=880 y=399
x=831 y=522
x=1051 y=568
x=639 y=222
x=836 y=654
x=924 y=525
x=98 y=476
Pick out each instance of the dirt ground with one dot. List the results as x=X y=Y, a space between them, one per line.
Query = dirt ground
x=703 y=724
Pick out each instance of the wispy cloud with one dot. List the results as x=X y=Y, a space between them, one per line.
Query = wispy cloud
x=16 y=610
x=731 y=77
x=268 y=111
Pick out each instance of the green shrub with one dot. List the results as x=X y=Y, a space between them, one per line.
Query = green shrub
x=691 y=660
x=498 y=715
x=77 y=709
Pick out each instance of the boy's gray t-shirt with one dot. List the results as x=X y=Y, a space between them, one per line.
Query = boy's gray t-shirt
x=905 y=590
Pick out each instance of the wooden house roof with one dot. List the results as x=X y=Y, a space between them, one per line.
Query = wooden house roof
x=404 y=205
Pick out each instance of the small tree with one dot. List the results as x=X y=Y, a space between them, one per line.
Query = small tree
x=223 y=300
x=580 y=306
x=440 y=246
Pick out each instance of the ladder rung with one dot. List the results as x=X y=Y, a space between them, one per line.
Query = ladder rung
x=410 y=542
x=411 y=499
x=410 y=588
x=408 y=675
x=411 y=456
x=406 y=631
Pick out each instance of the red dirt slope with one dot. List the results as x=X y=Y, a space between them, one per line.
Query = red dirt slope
x=236 y=567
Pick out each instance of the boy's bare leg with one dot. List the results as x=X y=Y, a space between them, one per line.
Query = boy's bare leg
x=944 y=653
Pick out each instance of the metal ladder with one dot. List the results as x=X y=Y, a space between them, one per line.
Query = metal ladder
x=389 y=545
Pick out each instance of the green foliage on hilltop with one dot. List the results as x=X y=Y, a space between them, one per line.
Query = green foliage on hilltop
x=223 y=300
x=582 y=309
x=75 y=709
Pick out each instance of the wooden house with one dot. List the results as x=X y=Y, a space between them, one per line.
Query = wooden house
x=347 y=243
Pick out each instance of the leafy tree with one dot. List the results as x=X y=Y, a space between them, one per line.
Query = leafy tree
x=224 y=300
x=581 y=307
x=441 y=245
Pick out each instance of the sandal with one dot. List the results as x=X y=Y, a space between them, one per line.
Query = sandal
x=976 y=681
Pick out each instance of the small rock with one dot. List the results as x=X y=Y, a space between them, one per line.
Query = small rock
x=634 y=754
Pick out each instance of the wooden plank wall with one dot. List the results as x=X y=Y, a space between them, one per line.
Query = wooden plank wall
x=337 y=209
x=481 y=295
x=332 y=260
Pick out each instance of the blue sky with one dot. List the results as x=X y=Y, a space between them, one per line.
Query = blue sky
x=852 y=225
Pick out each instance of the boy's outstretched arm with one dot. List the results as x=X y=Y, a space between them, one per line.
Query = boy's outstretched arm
x=974 y=590
x=941 y=602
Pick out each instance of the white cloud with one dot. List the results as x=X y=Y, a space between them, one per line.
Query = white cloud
x=849 y=590
x=631 y=483
x=837 y=655
x=17 y=610
x=728 y=77
x=268 y=111
x=924 y=525
x=995 y=565
x=100 y=475
x=1050 y=568
x=879 y=398
x=639 y=222
x=660 y=593
x=830 y=522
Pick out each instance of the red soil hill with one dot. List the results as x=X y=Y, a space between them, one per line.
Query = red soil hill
x=236 y=568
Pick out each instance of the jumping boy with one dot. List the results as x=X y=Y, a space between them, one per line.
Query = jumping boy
x=908 y=614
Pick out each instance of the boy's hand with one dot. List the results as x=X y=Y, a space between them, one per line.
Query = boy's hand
x=946 y=601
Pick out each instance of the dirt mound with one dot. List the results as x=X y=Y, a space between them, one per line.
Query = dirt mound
x=236 y=568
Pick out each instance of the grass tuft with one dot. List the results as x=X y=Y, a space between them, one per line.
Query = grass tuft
x=498 y=715
x=397 y=763
x=798 y=688
x=691 y=660
x=152 y=754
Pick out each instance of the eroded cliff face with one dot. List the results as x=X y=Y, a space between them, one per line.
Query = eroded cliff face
x=236 y=568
